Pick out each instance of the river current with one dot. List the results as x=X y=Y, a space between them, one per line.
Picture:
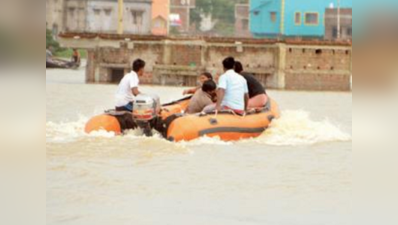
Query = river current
x=299 y=172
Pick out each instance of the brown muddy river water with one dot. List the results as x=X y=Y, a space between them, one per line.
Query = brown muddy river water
x=299 y=172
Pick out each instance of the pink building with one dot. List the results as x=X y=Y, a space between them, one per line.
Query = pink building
x=160 y=17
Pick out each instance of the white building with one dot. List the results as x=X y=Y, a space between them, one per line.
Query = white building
x=98 y=16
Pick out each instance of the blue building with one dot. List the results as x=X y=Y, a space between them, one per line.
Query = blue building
x=305 y=18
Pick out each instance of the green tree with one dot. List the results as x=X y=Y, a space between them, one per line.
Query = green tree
x=221 y=11
x=7 y=44
x=51 y=42
x=174 y=31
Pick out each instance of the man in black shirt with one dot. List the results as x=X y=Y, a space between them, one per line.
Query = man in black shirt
x=257 y=94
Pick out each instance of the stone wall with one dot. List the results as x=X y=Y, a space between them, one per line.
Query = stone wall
x=291 y=65
x=318 y=68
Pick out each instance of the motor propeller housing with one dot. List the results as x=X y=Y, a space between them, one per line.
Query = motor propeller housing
x=146 y=109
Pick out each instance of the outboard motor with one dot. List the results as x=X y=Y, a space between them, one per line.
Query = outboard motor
x=146 y=109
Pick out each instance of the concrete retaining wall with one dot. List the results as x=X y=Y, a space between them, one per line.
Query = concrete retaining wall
x=291 y=65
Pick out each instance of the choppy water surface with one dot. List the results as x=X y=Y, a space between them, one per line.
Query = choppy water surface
x=297 y=172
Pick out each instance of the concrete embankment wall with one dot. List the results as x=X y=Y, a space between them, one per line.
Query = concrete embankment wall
x=288 y=64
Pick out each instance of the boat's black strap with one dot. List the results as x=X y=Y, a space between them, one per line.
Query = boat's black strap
x=125 y=119
x=163 y=127
x=175 y=102
x=231 y=130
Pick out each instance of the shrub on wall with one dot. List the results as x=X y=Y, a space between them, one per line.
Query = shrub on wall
x=50 y=42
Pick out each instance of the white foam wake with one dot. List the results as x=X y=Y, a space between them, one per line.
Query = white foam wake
x=293 y=128
x=65 y=132
x=297 y=128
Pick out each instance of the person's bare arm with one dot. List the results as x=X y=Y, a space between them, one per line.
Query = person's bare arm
x=246 y=101
x=220 y=98
x=135 y=91
x=190 y=91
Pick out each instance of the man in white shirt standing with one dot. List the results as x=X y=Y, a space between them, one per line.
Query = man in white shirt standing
x=232 y=91
x=128 y=87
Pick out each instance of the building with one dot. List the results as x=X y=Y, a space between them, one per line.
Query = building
x=98 y=16
x=160 y=17
x=280 y=18
x=75 y=15
x=54 y=16
x=331 y=20
x=242 y=20
x=180 y=14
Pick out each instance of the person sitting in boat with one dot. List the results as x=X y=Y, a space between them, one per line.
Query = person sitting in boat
x=232 y=93
x=128 y=87
x=257 y=94
x=76 y=57
x=203 y=77
x=202 y=97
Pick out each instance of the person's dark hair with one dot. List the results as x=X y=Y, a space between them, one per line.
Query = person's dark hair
x=208 y=75
x=229 y=63
x=238 y=67
x=138 y=65
x=209 y=86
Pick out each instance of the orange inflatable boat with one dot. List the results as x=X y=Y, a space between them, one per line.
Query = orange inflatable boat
x=174 y=125
x=118 y=122
x=226 y=125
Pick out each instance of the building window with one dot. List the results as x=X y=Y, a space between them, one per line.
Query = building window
x=273 y=17
x=137 y=17
x=159 y=23
x=97 y=12
x=71 y=11
x=185 y=2
x=334 y=32
x=108 y=11
x=245 y=24
x=55 y=31
x=297 y=18
x=312 y=18
x=349 y=31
